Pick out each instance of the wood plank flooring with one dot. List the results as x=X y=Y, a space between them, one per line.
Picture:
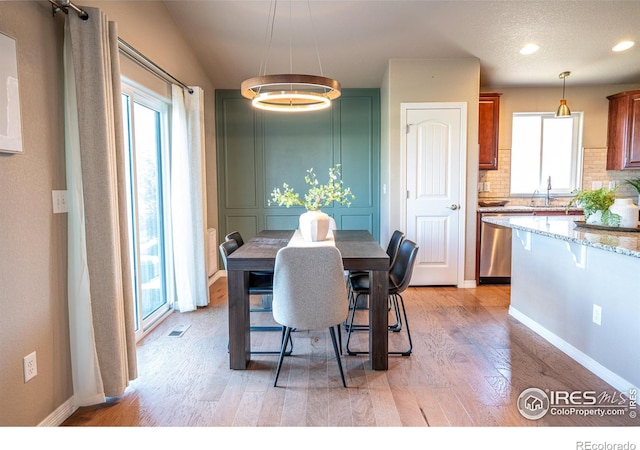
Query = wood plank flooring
x=470 y=362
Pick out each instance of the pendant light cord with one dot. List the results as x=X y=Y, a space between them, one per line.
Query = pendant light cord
x=269 y=38
x=289 y=92
x=315 y=39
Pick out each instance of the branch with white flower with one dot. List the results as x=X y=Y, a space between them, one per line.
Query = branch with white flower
x=318 y=195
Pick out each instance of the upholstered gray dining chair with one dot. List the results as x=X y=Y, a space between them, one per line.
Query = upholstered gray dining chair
x=309 y=293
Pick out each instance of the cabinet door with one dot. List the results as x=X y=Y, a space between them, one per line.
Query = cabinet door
x=633 y=157
x=623 y=133
x=489 y=116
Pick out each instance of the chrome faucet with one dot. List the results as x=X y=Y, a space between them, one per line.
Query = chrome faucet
x=547 y=201
x=532 y=202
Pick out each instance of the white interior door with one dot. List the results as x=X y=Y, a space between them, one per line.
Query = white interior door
x=434 y=163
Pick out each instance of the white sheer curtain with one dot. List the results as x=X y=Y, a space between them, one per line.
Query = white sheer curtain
x=100 y=292
x=187 y=199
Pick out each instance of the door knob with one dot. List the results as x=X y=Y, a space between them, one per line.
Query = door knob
x=453 y=207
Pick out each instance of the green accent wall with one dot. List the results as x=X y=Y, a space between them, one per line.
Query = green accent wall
x=259 y=150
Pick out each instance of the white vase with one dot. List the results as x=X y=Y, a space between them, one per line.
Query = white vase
x=314 y=226
x=627 y=211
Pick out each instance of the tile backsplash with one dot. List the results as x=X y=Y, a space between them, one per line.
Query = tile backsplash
x=594 y=170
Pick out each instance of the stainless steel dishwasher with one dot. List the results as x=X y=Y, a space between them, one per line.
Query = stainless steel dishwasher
x=494 y=261
x=495 y=251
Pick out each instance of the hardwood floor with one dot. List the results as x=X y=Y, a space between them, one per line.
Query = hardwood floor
x=470 y=362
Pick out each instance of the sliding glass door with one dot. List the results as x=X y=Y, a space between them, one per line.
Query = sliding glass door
x=145 y=120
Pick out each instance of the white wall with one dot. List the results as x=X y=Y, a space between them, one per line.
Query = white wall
x=555 y=284
x=428 y=80
x=33 y=241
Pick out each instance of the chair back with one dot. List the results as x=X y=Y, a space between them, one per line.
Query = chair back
x=309 y=291
x=227 y=248
x=401 y=271
x=394 y=245
x=236 y=236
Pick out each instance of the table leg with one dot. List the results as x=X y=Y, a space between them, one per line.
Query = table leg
x=379 y=320
x=239 y=334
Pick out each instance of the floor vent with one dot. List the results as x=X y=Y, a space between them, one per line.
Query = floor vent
x=179 y=331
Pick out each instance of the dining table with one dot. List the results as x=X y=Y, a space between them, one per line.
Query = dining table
x=360 y=252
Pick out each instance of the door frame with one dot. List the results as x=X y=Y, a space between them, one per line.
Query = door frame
x=156 y=102
x=462 y=107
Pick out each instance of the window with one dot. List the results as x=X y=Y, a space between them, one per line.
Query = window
x=145 y=119
x=546 y=147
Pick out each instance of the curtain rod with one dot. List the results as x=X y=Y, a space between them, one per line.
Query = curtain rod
x=145 y=62
x=125 y=48
x=64 y=5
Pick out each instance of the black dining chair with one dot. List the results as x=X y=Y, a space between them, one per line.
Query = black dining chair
x=399 y=279
x=235 y=236
x=392 y=251
x=259 y=284
x=266 y=298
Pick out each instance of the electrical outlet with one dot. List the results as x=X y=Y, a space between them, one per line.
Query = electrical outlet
x=597 y=314
x=612 y=184
x=596 y=185
x=59 y=202
x=487 y=186
x=30 y=366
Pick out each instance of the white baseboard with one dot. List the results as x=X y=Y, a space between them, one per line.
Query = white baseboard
x=215 y=276
x=585 y=360
x=62 y=413
x=469 y=284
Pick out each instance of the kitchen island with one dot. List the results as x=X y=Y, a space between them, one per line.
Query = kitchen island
x=493 y=243
x=579 y=288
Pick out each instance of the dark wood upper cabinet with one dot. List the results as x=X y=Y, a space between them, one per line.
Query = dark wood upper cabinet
x=489 y=119
x=623 y=133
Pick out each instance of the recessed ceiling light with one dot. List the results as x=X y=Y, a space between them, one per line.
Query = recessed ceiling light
x=529 y=49
x=622 y=46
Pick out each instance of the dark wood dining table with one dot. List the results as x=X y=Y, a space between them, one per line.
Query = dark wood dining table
x=360 y=251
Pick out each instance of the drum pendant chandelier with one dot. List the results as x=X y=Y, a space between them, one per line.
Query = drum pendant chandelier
x=289 y=92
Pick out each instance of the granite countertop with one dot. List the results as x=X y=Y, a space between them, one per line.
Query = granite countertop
x=518 y=209
x=564 y=228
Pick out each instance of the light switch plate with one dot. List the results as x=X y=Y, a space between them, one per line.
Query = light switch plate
x=59 y=202
x=597 y=314
x=30 y=366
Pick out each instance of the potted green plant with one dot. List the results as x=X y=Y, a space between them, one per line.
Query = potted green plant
x=595 y=204
x=635 y=183
x=314 y=224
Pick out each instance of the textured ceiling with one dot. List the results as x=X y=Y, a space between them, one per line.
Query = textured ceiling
x=356 y=39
